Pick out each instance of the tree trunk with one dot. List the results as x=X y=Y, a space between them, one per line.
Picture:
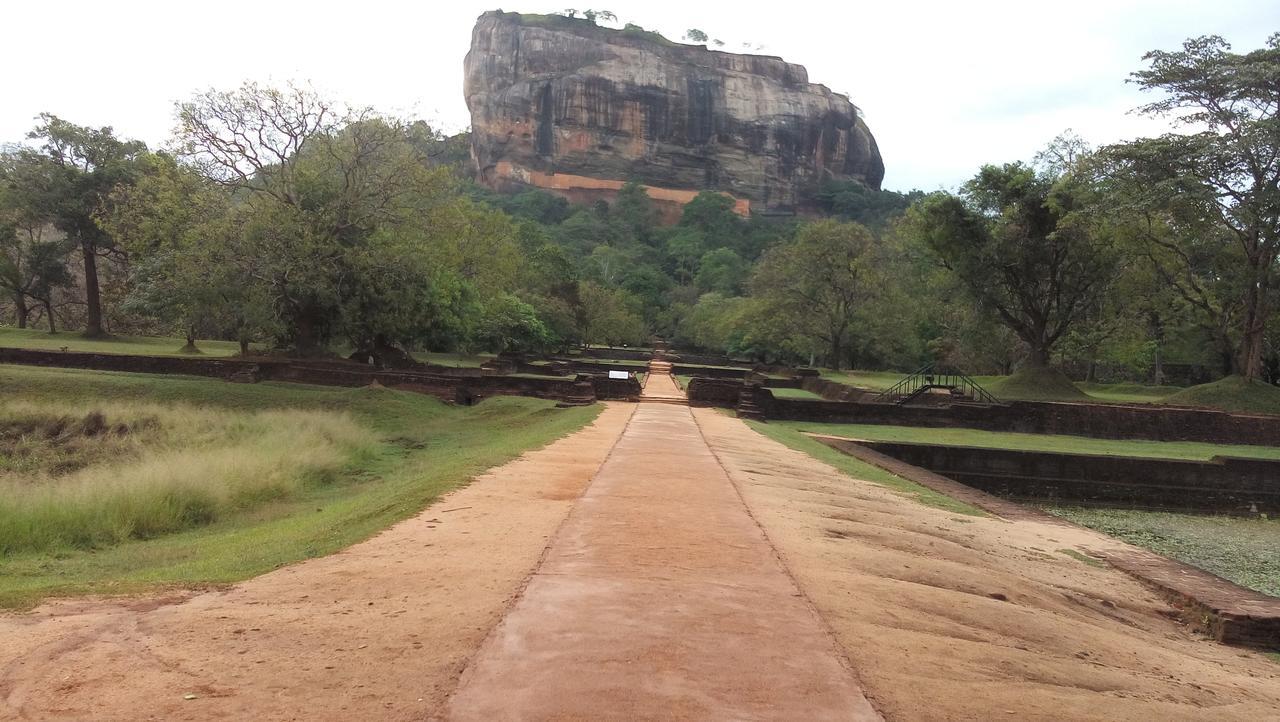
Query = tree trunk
x=92 y=294
x=244 y=345
x=1249 y=357
x=1039 y=356
x=837 y=358
x=191 y=343
x=20 y=310
x=48 y=310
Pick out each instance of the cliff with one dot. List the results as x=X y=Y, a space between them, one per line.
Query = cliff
x=562 y=104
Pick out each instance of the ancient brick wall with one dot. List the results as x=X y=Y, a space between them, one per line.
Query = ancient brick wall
x=706 y=391
x=1225 y=485
x=1104 y=421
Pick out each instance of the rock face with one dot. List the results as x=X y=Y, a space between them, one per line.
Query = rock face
x=577 y=109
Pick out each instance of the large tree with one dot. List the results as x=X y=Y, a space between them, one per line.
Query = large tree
x=1016 y=242
x=72 y=176
x=1211 y=194
x=817 y=285
x=349 y=228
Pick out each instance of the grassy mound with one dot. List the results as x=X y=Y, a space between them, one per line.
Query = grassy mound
x=1232 y=393
x=115 y=483
x=1037 y=384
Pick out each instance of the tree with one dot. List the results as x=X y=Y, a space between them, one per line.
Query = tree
x=634 y=210
x=713 y=324
x=1218 y=183
x=592 y=15
x=695 y=35
x=854 y=201
x=182 y=233
x=1013 y=242
x=722 y=271
x=511 y=325
x=348 y=227
x=32 y=267
x=81 y=167
x=816 y=284
x=607 y=316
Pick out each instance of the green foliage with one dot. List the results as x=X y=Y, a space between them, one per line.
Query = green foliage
x=1206 y=202
x=722 y=271
x=610 y=316
x=816 y=287
x=67 y=183
x=854 y=201
x=1014 y=241
x=509 y=324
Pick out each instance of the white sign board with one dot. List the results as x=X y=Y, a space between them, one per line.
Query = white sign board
x=618 y=374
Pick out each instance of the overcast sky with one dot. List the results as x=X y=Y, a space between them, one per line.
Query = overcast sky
x=944 y=86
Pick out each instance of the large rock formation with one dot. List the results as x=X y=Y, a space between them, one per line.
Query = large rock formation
x=563 y=104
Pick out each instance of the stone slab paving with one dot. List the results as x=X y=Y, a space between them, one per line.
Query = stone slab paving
x=660 y=598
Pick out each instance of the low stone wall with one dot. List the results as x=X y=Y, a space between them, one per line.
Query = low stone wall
x=627 y=389
x=794 y=382
x=1223 y=485
x=714 y=372
x=464 y=387
x=1104 y=421
x=706 y=391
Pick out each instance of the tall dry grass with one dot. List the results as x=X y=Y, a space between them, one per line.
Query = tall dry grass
x=164 y=468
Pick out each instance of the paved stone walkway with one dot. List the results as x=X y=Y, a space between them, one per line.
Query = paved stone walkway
x=660 y=598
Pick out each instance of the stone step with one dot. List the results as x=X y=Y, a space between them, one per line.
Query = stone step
x=675 y=400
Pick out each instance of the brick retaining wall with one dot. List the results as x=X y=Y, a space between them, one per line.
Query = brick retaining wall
x=1104 y=421
x=465 y=386
x=1225 y=485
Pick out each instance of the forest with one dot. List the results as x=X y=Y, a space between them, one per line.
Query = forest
x=292 y=223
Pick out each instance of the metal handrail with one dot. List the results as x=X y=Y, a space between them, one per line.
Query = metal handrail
x=927 y=378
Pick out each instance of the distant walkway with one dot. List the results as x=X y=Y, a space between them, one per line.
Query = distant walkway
x=659 y=386
x=660 y=598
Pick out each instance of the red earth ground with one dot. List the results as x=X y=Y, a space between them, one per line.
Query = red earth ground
x=661 y=563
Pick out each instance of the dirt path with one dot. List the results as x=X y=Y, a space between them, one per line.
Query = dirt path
x=948 y=617
x=660 y=599
x=379 y=631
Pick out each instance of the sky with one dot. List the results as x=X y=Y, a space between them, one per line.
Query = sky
x=944 y=86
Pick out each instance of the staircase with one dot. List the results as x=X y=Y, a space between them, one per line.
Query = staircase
x=748 y=404
x=660 y=387
x=954 y=386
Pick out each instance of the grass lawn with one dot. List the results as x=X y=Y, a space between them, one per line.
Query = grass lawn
x=452 y=359
x=872 y=380
x=386 y=455
x=1033 y=442
x=1241 y=550
x=1121 y=393
x=795 y=394
x=788 y=435
x=141 y=345
x=1129 y=393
